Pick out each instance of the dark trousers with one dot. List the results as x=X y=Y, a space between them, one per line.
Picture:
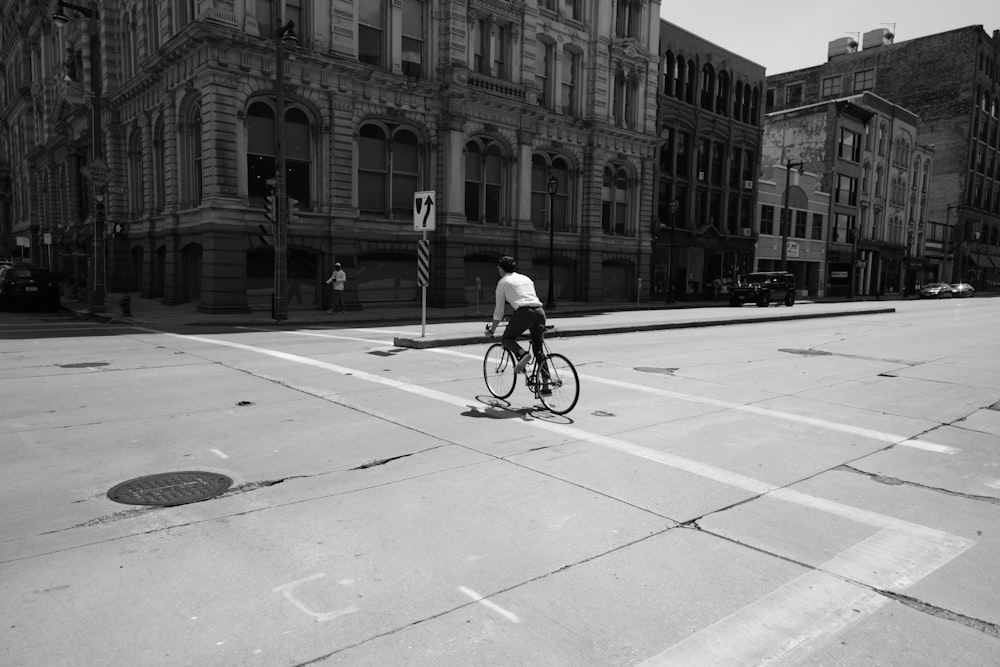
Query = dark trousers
x=337 y=302
x=525 y=319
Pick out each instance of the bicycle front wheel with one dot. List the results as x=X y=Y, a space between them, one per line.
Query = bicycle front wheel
x=563 y=383
x=498 y=371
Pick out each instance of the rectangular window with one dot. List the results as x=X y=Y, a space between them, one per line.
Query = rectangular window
x=734 y=169
x=573 y=8
x=793 y=94
x=831 y=86
x=703 y=148
x=266 y=22
x=413 y=38
x=849 y=147
x=801 y=218
x=718 y=162
x=370 y=32
x=498 y=48
x=543 y=71
x=843 y=226
x=571 y=68
x=667 y=152
x=767 y=220
x=864 y=80
x=817 y=227
x=847 y=190
x=684 y=154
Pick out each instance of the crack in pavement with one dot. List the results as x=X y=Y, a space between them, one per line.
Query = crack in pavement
x=895 y=481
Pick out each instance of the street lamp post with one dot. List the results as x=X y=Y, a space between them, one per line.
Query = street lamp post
x=672 y=207
x=910 y=229
x=97 y=291
x=284 y=33
x=552 y=185
x=786 y=217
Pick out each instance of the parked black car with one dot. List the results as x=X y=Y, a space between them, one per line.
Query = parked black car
x=764 y=287
x=937 y=291
x=28 y=286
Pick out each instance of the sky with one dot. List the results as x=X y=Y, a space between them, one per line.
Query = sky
x=783 y=35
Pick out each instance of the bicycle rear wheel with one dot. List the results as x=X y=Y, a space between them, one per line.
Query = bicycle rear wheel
x=498 y=371
x=563 y=382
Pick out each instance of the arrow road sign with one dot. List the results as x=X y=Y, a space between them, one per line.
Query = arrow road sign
x=424 y=209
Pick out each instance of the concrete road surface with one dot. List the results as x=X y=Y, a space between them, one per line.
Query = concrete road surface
x=819 y=491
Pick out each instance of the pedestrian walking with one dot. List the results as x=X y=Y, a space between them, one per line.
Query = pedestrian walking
x=338 y=278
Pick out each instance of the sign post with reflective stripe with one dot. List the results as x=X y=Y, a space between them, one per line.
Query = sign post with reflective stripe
x=424 y=209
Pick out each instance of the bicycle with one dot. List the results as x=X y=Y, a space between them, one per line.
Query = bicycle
x=553 y=379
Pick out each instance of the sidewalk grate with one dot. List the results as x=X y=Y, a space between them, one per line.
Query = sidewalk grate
x=170 y=488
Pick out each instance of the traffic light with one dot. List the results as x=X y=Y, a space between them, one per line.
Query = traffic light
x=99 y=209
x=292 y=203
x=269 y=212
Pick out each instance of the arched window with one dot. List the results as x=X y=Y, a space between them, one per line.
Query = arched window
x=680 y=79
x=669 y=73
x=484 y=181
x=388 y=170
x=881 y=138
x=722 y=97
x=866 y=175
x=192 y=177
x=261 y=156
x=707 y=87
x=615 y=215
x=298 y=157
x=755 y=106
x=623 y=101
x=544 y=165
x=689 y=83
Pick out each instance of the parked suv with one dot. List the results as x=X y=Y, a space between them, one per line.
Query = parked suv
x=763 y=288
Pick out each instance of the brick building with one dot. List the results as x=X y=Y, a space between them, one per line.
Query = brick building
x=951 y=82
x=709 y=118
x=482 y=102
x=874 y=177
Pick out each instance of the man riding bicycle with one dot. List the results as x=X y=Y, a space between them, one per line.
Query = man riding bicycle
x=518 y=290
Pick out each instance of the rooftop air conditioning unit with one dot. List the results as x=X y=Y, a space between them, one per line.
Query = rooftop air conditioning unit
x=748 y=185
x=746 y=230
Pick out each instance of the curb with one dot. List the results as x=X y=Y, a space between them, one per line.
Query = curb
x=423 y=343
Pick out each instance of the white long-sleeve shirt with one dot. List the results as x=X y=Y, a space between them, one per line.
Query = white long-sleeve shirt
x=516 y=289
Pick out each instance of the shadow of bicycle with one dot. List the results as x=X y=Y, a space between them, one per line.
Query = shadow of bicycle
x=498 y=408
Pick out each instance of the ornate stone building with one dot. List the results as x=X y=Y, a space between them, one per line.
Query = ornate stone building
x=710 y=123
x=482 y=102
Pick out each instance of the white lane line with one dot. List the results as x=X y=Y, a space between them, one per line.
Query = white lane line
x=490 y=605
x=314 y=334
x=780 y=626
x=218 y=453
x=878 y=436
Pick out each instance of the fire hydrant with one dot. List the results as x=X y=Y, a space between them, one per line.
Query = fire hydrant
x=126 y=304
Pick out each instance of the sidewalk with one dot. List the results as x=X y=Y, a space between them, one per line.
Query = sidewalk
x=453 y=326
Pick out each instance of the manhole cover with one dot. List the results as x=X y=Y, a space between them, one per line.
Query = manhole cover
x=170 y=488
